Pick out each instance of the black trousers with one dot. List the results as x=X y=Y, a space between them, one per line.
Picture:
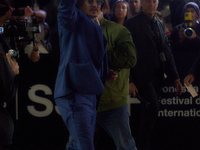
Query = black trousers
x=149 y=92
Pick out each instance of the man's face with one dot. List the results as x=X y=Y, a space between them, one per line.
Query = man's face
x=193 y=12
x=149 y=6
x=135 y=6
x=91 y=7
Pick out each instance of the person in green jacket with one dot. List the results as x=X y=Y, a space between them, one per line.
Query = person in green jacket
x=112 y=113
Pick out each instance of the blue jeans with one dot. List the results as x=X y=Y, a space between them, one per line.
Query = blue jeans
x=116 y=123
x=79 y=114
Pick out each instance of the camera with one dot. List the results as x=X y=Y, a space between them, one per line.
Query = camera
x=188 y=32
x=18 y=31
x=21 y=29
x=15 y=27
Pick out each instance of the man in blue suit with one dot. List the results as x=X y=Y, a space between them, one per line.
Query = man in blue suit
x=82 y=70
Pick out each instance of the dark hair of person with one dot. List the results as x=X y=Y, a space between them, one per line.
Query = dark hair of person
x=113 y=18
x=79 y=3
x=105 y=8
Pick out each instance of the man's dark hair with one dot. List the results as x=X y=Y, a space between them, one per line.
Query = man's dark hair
x=79 y=3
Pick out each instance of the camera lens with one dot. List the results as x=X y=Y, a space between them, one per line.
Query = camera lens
x=188 y=32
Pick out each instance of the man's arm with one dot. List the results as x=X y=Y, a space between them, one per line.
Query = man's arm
x=66 y=11
x=194 y=72
x=39 y=14
x=124 y=54
x=170 y=67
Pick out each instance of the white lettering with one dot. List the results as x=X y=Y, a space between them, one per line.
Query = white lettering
x=179 y=113
x=40 y=100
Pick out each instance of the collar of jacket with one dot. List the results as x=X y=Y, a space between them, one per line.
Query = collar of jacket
x=149 y=20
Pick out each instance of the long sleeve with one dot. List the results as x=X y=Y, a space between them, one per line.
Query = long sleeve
x=121 y=50
x=170 y=67
x=124 y=54
x=195 y=70
x=67 y=12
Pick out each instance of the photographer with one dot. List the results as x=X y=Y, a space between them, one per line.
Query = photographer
x=186 y=38
x=8 y=70
x=40 y=45
x=28 y=32
x=27 y=13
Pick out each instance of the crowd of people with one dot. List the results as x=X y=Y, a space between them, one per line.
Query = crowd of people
x=109 y=49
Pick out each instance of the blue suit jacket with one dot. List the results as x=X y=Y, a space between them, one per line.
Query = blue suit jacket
x=83 y=61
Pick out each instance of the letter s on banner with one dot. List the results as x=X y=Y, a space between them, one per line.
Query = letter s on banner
x=33 y=97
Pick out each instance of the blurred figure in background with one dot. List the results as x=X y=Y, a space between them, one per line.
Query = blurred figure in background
x=120 y=12
x=40 y=45
x=8 y=71
x=176 y=11
x=179 y=40
x=106 y=10
x=135 y=7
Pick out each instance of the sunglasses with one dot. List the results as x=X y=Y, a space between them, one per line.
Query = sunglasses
x=99 y=2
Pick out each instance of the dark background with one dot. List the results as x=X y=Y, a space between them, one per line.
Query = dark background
x=43 y=129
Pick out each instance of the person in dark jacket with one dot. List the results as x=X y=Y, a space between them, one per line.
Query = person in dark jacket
x=155 y=61
x=8 y=71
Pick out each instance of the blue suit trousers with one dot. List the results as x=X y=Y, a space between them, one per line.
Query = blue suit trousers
x=79 y=114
